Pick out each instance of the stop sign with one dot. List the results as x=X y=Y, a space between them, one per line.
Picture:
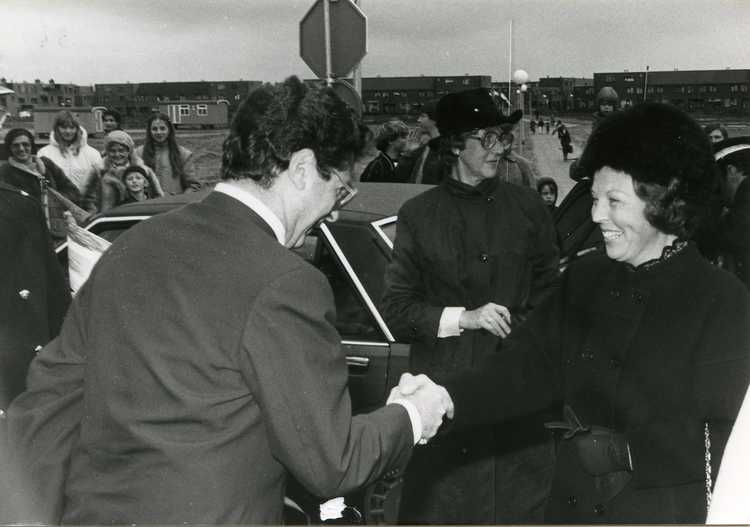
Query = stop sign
x=348 y=37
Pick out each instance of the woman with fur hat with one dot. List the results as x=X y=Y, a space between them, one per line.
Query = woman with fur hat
x=472 y=257
x=646 y=347
x=69 y=150
x=107 y=189
x=34 y=175
x=172 y=163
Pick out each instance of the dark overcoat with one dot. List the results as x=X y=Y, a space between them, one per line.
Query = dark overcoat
x=652 y=353
x=203 y=364
x=33 y=294
x=458 y=245
x=380 y=170
x=56 y=179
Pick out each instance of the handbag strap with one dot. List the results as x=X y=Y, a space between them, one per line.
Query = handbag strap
x=709 y=482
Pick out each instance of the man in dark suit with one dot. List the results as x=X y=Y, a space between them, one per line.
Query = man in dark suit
x=204 y=353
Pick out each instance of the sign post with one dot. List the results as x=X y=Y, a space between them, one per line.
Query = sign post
x=333 y=38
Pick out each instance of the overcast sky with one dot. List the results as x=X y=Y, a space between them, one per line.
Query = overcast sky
x=100 y=41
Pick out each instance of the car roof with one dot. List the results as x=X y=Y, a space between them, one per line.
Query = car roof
x=377 y=200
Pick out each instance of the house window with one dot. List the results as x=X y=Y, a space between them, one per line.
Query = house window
x=465 y=82
x=184 y=110
x=743 y=88
x=202 y=109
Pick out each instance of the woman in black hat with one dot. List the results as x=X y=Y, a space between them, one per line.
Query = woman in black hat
x=647 y=346
x=471 y=258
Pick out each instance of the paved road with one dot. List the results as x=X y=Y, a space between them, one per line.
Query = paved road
x=549 y=159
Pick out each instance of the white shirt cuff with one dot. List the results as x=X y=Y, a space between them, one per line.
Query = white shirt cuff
x=414 y=417
x=449 y=322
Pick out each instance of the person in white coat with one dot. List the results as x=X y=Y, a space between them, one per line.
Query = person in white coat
x=69 y=150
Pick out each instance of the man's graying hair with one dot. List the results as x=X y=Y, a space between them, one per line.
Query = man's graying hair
x=275 y=121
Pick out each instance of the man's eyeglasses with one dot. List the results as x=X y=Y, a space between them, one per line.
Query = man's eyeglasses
x=344 y=194
x=490 y=139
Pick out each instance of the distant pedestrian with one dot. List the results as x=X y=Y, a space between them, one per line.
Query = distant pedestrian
x=172 y=163
x=512 y=167
x=390 y=140
x=547 y=188
x=565 y=141
x=532 y=126
x=111 y=121
x=733 y=158
x=716 y=132
x=546 y=126
x=423 y=165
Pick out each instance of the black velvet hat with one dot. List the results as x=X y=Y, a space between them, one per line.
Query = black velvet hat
x=470 y=110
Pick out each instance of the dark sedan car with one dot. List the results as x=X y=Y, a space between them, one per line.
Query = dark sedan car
x=352 y=253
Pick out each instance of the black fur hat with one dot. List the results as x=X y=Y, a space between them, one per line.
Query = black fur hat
x=470 y=110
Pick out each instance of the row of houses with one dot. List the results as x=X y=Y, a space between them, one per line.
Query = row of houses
x=711 y=91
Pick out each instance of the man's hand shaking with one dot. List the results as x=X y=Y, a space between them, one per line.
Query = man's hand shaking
x=432 y=401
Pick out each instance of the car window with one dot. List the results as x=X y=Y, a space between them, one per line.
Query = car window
x=386 y=229
x=353 y=319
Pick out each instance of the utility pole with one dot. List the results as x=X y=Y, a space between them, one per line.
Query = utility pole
x=357 y=73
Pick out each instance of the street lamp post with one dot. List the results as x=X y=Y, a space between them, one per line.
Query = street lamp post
x=520 y=77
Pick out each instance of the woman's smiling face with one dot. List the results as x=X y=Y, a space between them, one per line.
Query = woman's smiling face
x=620 y=214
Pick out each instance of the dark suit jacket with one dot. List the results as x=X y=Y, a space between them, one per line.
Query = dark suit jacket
x=212 y=370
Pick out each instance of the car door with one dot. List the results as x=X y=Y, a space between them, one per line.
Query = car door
x=345 y=253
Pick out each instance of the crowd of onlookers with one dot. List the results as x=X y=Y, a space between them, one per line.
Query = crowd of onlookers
x=69 y=174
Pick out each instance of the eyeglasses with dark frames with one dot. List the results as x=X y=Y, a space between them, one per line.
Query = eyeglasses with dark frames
x=490 y=139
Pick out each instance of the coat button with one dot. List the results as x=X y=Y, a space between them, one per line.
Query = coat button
x=483 y=257
x=599 y=509
x=464 y=451
x=38 y=348
x=490 y=199
x=615 y=363
x=587 y=354
x=24 y=294
x=572 y=501
x=615 y=293
x=638 y=297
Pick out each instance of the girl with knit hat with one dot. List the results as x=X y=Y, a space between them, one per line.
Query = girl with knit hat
x=108 y=189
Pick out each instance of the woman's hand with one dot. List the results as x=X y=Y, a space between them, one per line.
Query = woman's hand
x=492 y=317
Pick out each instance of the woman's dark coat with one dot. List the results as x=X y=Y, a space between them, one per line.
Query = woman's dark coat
x=56 y=179
x=33 y=294
x=652 y=353
x=462 y=246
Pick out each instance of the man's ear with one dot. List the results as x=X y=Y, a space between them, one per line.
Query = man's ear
x=302 y=166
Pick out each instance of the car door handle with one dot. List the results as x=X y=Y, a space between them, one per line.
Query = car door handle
x=354 y=361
